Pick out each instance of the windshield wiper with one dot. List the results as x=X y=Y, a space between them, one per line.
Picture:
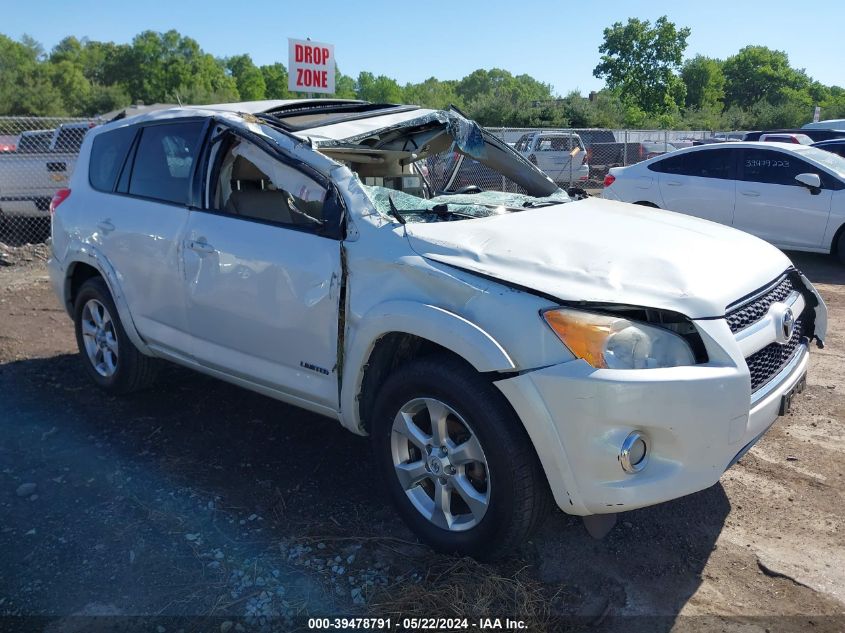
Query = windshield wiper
x=394 y=211
x=528 y=204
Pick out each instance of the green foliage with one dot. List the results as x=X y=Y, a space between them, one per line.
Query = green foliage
x=647 y=85
x=639 y=61
x=757 y=73
x=248 y=78
x=379 y=89
x=275 y=81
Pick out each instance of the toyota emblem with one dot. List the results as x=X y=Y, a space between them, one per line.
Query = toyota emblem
x=787 y=324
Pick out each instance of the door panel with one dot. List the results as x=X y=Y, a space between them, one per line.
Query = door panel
x=142 y=236
x=771 y=207
x=142 y=240
x=699 y=183
x=262 y=303
x=262 y=286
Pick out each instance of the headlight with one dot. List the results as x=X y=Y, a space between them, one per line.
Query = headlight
x=616 y=343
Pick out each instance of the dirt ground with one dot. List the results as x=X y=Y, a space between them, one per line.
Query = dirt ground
x=201 y=499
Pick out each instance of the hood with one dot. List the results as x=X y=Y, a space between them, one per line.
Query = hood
x=609 y=252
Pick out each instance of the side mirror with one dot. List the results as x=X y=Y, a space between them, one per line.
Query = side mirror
x=812 y=181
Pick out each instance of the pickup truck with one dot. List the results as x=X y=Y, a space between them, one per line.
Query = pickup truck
x=31 y=175
x=603 y=156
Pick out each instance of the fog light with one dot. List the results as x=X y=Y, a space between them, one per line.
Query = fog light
x=634 y=453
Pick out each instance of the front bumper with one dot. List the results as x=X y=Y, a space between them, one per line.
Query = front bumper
x=698 y=421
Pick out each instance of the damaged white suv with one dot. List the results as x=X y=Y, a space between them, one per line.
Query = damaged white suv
x=503 y=349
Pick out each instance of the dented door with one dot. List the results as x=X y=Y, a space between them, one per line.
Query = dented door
x=262 y=303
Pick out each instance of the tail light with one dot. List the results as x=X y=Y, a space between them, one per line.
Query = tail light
x=609 y=180
x=60 y=196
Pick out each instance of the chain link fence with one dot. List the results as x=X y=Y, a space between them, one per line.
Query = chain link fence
x=37 y=157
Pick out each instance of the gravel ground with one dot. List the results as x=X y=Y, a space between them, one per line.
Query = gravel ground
x=201 y=499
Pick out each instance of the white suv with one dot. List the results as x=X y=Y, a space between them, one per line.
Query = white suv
x=502 y=349
x=561 y=155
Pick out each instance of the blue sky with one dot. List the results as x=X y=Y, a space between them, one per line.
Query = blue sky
x=556 y=42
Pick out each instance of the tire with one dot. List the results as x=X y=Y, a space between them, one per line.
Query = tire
x=508 y=478
x=108 y=355
x=840 y=247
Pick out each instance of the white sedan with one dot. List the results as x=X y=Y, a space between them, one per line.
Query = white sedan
x=790 y=195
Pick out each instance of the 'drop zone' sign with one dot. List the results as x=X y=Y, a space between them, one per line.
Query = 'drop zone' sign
x=310 y=66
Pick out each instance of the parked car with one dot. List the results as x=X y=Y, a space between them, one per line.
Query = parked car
x=561 y=155
x=790 y=195
x=35 y=141
x=296 y=249
x=830 y=124
x=603 y=156
x=817 y=134
x=835 y=145
x=8 y=143
x=786 y=137
x=29 y=178
x=591 y=135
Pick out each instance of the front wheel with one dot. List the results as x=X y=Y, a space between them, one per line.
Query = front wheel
x=457 y=462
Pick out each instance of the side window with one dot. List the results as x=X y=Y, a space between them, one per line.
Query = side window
x=714 y=163
x=108 y=153
x=70 y=139
x=252 y=184
x=163 y=162
x=773 y=168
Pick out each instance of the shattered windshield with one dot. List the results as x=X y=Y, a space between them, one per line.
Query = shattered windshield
x=450 y=207
x=439 y=167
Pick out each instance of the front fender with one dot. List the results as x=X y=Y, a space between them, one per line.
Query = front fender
x=447 y=329
x=90 y=255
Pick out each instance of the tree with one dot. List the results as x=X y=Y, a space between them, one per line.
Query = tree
x=758 y=73
x=639 y=62
x=249 y=79
x=164 y=67
x=432 y=93
x=275 y=81
x=705 y=83
x=381 y=89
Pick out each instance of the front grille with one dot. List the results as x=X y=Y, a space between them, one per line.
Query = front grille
x=750 y=313
x=767 y=362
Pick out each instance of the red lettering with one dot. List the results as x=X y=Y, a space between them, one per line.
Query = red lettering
x=308 y=53
x=325 y=55
x=298 y=52
x=299 y=77
x=324 y=79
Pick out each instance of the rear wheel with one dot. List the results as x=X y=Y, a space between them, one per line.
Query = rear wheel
x=840 y=246
x=110 y=358
x=457 y=463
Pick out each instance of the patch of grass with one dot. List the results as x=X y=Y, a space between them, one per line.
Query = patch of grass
x=463 y=587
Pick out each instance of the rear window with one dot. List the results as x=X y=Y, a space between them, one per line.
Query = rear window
x=70 y=139
x=108 y=153
x=164 y=161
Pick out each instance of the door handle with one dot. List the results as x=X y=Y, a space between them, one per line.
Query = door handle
x=751 y=194
x=105 y=226
x=203 y=248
